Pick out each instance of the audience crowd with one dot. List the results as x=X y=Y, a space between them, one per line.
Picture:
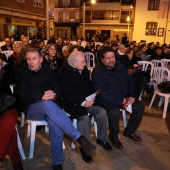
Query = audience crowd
x=51 y=78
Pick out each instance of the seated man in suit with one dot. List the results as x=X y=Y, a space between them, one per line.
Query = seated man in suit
x=7 y=46
x=37 y=87
x=76 y=86
x=116 y=85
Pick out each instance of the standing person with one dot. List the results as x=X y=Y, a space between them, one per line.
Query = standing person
x=8 y=120
x=37 y=87
x=125 y=40
x=75 y=90
x=116 y=86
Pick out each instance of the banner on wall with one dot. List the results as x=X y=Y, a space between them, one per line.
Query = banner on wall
x=16 y=21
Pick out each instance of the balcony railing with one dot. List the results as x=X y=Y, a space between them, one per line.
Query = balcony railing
x=67 y=6
x=68 y=20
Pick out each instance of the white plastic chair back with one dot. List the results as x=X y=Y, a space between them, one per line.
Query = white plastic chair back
x=90 y=59
x=166 y=62
x=157 y=63
x=148 y=57
x=145 y=65
x=159 y=75
x=7 y=53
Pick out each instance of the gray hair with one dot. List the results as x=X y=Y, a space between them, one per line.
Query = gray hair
x=73 y=56
x=65 y=48
x=17 y=43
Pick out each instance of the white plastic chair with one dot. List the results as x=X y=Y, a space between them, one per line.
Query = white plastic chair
x=157 y=63
x=145 y=66
x=90 y=57
x=20 y=145
x=7 y=53
x=160 y=72
x=148 y=57
x=166 y=62
x=31 y=131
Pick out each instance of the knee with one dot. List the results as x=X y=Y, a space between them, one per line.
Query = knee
x=114 y=113
x=138 y=107
x=101 y=113
x=84 y=118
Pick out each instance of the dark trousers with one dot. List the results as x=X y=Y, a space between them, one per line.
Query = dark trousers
x=8 y=136
x=114 y=114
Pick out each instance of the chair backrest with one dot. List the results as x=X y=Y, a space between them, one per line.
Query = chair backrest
x=90 y=59
x=7 y=53
x=157 y=63
x=161 y=74
x=166 y=62
x=145 y=66
x=148 y=57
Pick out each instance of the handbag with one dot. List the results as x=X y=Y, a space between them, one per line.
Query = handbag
x=164 y=87
x=6 y=101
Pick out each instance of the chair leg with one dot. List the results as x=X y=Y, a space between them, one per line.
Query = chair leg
x=153 y=98
x=29 y=129
x=95 y=125
x=32 y=140
x=20 y=146
x=22 y=119
x=165 y=107
x=140 y=97
x=161 y=100
x=124 y=118
x=75 y=125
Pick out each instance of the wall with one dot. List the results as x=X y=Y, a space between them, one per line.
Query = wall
x=142 y=15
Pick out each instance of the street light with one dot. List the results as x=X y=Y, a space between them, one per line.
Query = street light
x=84 y=10
x=128 y=20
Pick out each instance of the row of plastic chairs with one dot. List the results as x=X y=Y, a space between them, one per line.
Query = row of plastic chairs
x=161 y=63
x=31 y=131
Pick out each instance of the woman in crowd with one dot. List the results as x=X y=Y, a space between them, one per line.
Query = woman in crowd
x=52 y=57
x=140 y=77
x=8 y=120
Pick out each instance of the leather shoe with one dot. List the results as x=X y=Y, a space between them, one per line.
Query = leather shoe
x=116 y=143
x=132 y=136
x=86 y=145
x=86 y=158
x=105 y=145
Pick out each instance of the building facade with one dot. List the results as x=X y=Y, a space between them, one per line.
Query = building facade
x=152 y=21
x=108 y=17
x=22 y=17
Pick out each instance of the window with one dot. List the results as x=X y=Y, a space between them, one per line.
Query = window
x=105 y=15
x=151 y=28
x=72 y=16
x=21 y=1
x=38 y=3
x=153 y=4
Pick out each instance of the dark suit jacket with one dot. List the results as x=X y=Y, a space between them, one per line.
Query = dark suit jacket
x=4 y=48
x=75 y=88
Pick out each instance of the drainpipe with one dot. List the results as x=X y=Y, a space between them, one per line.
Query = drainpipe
x=167 y=21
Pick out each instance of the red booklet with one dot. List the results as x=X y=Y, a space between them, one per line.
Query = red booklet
x=127 y=105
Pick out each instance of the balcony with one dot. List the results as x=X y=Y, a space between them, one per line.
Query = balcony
x=67 y=6
x=66 y=22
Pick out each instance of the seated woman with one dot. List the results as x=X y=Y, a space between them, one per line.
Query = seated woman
x=141 y=78
x=8 y=134
x=52 y=57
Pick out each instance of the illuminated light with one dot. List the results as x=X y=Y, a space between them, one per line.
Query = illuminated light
x=128 y=18
x=93 y=1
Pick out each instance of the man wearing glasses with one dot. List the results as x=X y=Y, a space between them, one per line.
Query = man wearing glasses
x=76 y=86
